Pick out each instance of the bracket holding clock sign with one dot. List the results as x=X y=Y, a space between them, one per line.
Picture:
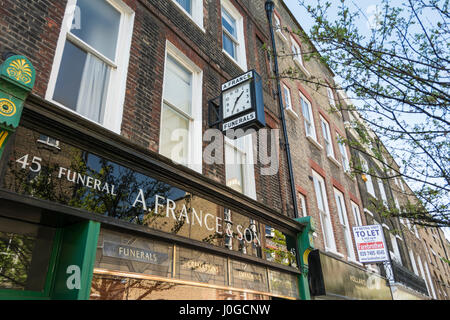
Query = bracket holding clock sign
x=242 y=103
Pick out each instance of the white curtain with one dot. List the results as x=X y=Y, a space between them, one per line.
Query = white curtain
x=93 y=89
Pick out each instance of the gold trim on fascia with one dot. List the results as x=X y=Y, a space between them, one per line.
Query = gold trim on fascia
x=133 y=275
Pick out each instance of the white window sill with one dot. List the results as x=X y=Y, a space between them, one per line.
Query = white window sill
x=291 y=112
x=198 y=23
x=234 y=61
x=117 y=130
x=302 y=67
x=332 y=159
x=374 y=270
x=354 y=261
x=314 y=142
x=348 y=173
x=334 y=253
x=367 y=211
x=281 y=35
x=373 y=195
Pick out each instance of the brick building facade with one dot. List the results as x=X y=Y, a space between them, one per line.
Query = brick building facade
x=102 y=178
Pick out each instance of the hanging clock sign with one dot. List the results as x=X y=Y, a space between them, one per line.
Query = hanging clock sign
x=242 y=103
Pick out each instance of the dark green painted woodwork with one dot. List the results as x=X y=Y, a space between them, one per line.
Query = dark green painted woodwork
x=17 y=77
x=305 y=245
x=78 y=248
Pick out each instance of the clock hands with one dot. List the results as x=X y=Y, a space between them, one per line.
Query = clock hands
x=235 y=103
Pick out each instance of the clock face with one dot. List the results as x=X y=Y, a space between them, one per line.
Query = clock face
x=236 y=100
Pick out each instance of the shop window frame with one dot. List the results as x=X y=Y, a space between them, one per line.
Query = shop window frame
x=45 y=294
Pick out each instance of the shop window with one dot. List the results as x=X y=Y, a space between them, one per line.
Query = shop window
x=248 y=276
x=202 y=267
x=343 y=220
x=324 y=211
x=128 y=253
x=180 y=134
x=284 y=284
x=91 y=61
x=120 y=288
x=233 y=34
x=25 y=251
x=193 y=9
x=239 y=167
x=279 y=247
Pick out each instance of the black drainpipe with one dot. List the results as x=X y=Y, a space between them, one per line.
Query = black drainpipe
x=269 y=6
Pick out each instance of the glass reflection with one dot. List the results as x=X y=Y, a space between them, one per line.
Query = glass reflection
x=25 y=251
x=80 y=179
x=117 y=288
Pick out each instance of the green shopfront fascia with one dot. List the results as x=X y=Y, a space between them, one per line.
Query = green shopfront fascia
x=83 y=215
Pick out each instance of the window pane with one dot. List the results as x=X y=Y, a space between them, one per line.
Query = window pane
x=287 y=97
x=98 y=26
x=186 y=4
x=25 y=251
x=229 y=23
x=178 y=85
x=69 y=76
x=174 y=135
x=82 y=83
x=234 y=161
x=229 y=46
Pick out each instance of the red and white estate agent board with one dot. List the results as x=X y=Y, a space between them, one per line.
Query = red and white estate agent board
x=370 y=244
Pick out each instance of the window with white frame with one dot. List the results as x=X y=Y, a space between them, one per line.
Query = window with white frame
x=296 y=52
x=382 y=191
x=91 y=60
x=369 y=183
x=356 y=214
x=181 y=115
x=397 y=205
x=193 y=8
x=308 y=117
x=233 y=34
x=345 y=225
x=302 y=201
x=324 y=212
x=433 y=292
x=239 y=166
x=287 y=98
x=413 y=262
x=344 y=156
x=52 y=142
x=401 y=185
x=331 y=97
x=278 y=26
x=416 y=232
x=327 y=137
x=396 y=254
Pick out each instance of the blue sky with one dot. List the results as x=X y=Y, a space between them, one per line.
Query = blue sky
x=368 y=8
